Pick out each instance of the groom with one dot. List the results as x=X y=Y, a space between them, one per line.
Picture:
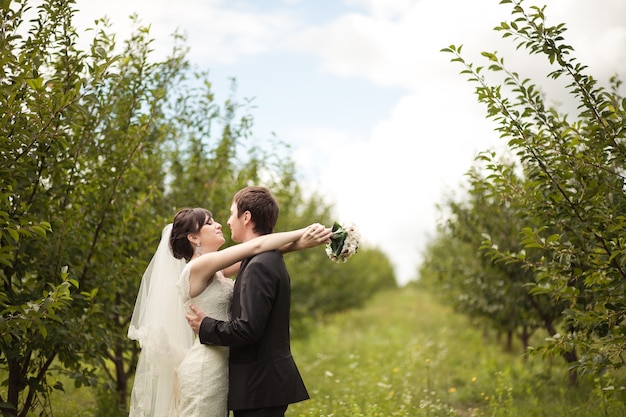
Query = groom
x=264 y=378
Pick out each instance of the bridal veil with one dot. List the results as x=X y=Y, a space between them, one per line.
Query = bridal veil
x=159 y=325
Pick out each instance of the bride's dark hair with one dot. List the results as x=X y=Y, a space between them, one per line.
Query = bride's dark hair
x=187 y=220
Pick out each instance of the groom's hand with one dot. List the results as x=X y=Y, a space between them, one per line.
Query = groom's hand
x=195 y=318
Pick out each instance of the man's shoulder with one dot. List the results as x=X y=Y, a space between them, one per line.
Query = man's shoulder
x=264 y=264
x=268 y=256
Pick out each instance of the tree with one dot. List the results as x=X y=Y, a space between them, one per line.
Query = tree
x=99 y=149
x=494 y=293
x=573 y=187
x=84 y=184
x=80 y=163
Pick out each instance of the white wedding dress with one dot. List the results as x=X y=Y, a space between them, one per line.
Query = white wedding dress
x=202 y=377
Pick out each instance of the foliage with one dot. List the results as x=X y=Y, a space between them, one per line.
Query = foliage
x=54 y=146
x=320 y=287
x=99 y=149
x=328 y=287
x=570 y=194
x=496 y=294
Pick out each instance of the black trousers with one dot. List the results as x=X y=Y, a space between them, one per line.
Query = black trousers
x=262 y=412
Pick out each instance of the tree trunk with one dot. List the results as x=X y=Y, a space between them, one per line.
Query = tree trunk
x=509 y=340
x=571 y=357
x=121 y=375
x=525 y=337
x=14 y=386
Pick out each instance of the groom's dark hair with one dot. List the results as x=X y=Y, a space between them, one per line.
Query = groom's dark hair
x=262 y=206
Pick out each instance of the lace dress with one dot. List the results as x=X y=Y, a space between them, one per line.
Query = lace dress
x=202 y=376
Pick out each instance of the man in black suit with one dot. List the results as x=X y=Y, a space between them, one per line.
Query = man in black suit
x=263 y=378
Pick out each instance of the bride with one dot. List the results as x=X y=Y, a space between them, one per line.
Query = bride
x=176 y=375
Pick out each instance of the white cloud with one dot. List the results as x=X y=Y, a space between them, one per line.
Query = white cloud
x=396 y=50
x=426 y=142
x=216 y=33
x=391 y=180
x=385 y=9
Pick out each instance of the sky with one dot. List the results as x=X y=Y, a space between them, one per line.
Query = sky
x=379 y=121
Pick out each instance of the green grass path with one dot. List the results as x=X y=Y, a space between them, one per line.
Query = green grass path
x=405 y=354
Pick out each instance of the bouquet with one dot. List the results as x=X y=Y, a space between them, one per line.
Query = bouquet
x=344 y=242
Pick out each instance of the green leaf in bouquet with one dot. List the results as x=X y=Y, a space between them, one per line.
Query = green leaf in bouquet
x=337 y=239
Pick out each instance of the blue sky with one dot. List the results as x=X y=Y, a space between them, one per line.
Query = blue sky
x=362 y=84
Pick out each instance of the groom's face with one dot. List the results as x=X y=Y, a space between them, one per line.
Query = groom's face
x=235 y=224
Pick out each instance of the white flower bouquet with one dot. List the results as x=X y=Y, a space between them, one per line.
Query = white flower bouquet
x=344 y=242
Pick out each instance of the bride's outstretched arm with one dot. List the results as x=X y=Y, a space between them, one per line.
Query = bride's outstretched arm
x=204 y=267
x=312 y=237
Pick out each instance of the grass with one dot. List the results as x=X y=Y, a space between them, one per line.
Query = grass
x=406 y=355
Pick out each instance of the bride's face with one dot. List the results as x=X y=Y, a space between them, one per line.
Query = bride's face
x=211 y=236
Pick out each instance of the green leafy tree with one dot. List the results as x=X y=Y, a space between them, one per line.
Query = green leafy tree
x=494 y=293
x=81 y=162
x=85 y=161
x=573 y=187
x=321 y=287
x=99 y=148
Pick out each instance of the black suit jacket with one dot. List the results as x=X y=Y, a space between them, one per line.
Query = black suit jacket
x=262 y=370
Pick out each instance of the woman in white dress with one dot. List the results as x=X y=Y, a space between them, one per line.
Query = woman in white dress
x=176 y=375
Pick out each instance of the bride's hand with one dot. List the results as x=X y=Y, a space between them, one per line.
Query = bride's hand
x=195 y=318
x=315 y=235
